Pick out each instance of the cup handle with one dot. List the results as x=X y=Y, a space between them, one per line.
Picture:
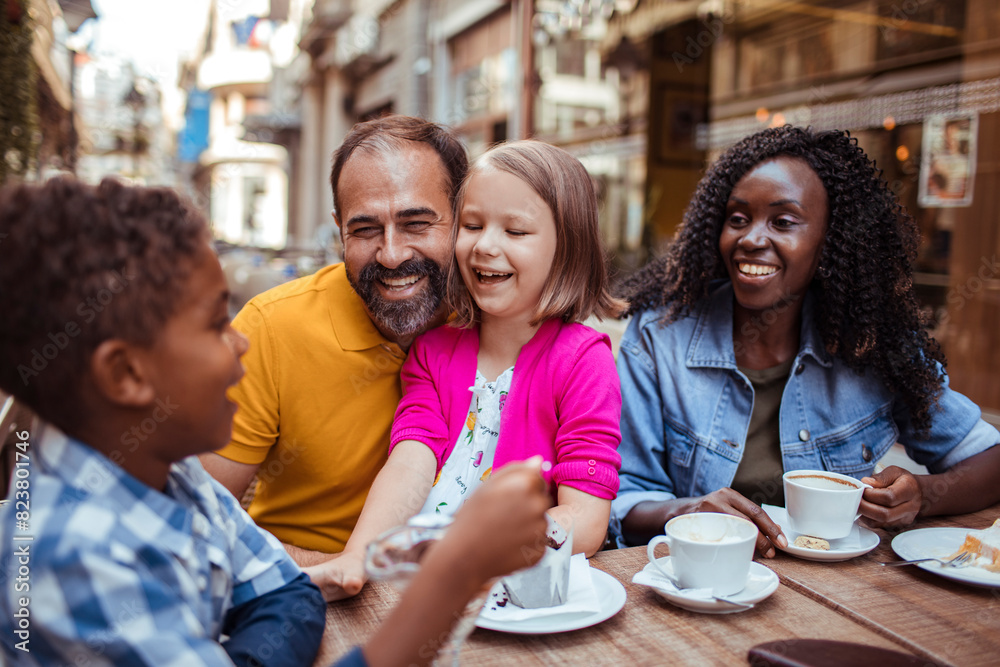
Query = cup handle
x=865 y=486
x=651 y=555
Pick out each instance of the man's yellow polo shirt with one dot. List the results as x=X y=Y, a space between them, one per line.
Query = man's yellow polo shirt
x=315 y=407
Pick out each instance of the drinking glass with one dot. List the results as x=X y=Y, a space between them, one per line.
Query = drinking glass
x=395 y=555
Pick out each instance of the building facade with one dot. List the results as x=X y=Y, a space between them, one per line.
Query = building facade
x=648 y=92
x=242 y=179
x=122 y=126
x=38 y=121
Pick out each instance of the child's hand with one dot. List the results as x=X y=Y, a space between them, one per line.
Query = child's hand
x=501 y=528
x=340 y=577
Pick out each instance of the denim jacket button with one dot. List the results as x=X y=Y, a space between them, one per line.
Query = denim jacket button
x=799 y=369
x=803 y=435
x=866 y=453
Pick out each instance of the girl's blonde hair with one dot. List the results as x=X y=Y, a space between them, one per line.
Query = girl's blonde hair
x=577 y=285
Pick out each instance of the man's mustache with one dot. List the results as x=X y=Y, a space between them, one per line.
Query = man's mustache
x=412 y=267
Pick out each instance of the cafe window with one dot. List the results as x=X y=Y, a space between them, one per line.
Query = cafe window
x=776 y=55
x=919 y=27
x=571 y=56
x=483 y=72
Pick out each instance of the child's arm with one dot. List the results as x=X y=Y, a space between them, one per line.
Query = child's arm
x=587 y=460
x=399 y=492
x=499 y=529
x=273 y=602
x=589 y=515
x=420 y=433
x=107 y=611
x=284 y=626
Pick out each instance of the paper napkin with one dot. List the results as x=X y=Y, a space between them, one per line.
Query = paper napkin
x=649 y=576
x=582 y=598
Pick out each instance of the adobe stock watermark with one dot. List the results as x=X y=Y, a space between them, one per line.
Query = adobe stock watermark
x=900 y=14
x=59 y=340
x=275 y=640
x=386 y=362
x=697 y=45
x=140 y=432
x=769 y=488
x=118 y=624
x=433 y=646
x=960 y=295
x=819 y=94
x=757 y=326
x=130 y=439
x=20 y=493
x=287 y=454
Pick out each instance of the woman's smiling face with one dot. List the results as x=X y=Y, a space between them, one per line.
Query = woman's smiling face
x=772 y=237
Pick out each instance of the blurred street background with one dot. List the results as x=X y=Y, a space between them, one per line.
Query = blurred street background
x=240 y=103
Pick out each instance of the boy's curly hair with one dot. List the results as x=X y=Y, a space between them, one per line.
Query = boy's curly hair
x=79 y=265
x=867 y=310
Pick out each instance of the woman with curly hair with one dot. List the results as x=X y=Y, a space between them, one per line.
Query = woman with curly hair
x=781 y=332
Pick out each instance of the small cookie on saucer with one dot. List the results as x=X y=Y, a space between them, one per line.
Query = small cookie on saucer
x=806 y=542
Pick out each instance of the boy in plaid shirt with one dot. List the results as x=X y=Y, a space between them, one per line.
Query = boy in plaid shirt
x=116 y=332
x=117 y=548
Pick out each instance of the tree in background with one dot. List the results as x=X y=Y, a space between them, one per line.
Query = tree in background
x=18 y=90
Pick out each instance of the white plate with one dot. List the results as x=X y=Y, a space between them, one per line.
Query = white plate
x=867 y=540
x=761 y=583
x=941 y=543
x=610 y=592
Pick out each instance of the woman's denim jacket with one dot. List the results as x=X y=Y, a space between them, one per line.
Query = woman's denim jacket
x=686 y=410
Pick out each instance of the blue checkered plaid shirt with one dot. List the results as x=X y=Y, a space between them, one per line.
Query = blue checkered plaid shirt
x=119 y=573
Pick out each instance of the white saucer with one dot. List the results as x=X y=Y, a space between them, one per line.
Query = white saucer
x=839 y=549
x=760 y=584
x=610 y=592
x=942 y=543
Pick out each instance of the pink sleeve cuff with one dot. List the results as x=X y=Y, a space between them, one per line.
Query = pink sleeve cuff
x=422 y=436
x=594 y=477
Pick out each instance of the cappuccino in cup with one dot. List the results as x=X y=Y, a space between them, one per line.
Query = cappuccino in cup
x=820 y=503
x=707 y=550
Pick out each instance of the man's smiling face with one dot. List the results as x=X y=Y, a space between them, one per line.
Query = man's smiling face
x=396 y=223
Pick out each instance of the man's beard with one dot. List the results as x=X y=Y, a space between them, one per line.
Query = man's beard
x=407 y=317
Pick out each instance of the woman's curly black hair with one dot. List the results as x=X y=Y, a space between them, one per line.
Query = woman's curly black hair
x=867 y=310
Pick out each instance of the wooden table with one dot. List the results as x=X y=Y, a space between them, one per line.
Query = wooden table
x=903 y=609
x=928 y=615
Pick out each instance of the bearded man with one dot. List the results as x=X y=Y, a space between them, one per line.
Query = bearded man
x=322 y=373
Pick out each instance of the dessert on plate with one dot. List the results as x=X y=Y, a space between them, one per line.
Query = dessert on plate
x=985 y=546
x=546 y=584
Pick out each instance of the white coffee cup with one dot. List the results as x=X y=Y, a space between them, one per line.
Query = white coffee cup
x=820 y=503
x=707 y=550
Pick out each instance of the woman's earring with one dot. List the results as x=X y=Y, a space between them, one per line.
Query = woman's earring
x=823 y=272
